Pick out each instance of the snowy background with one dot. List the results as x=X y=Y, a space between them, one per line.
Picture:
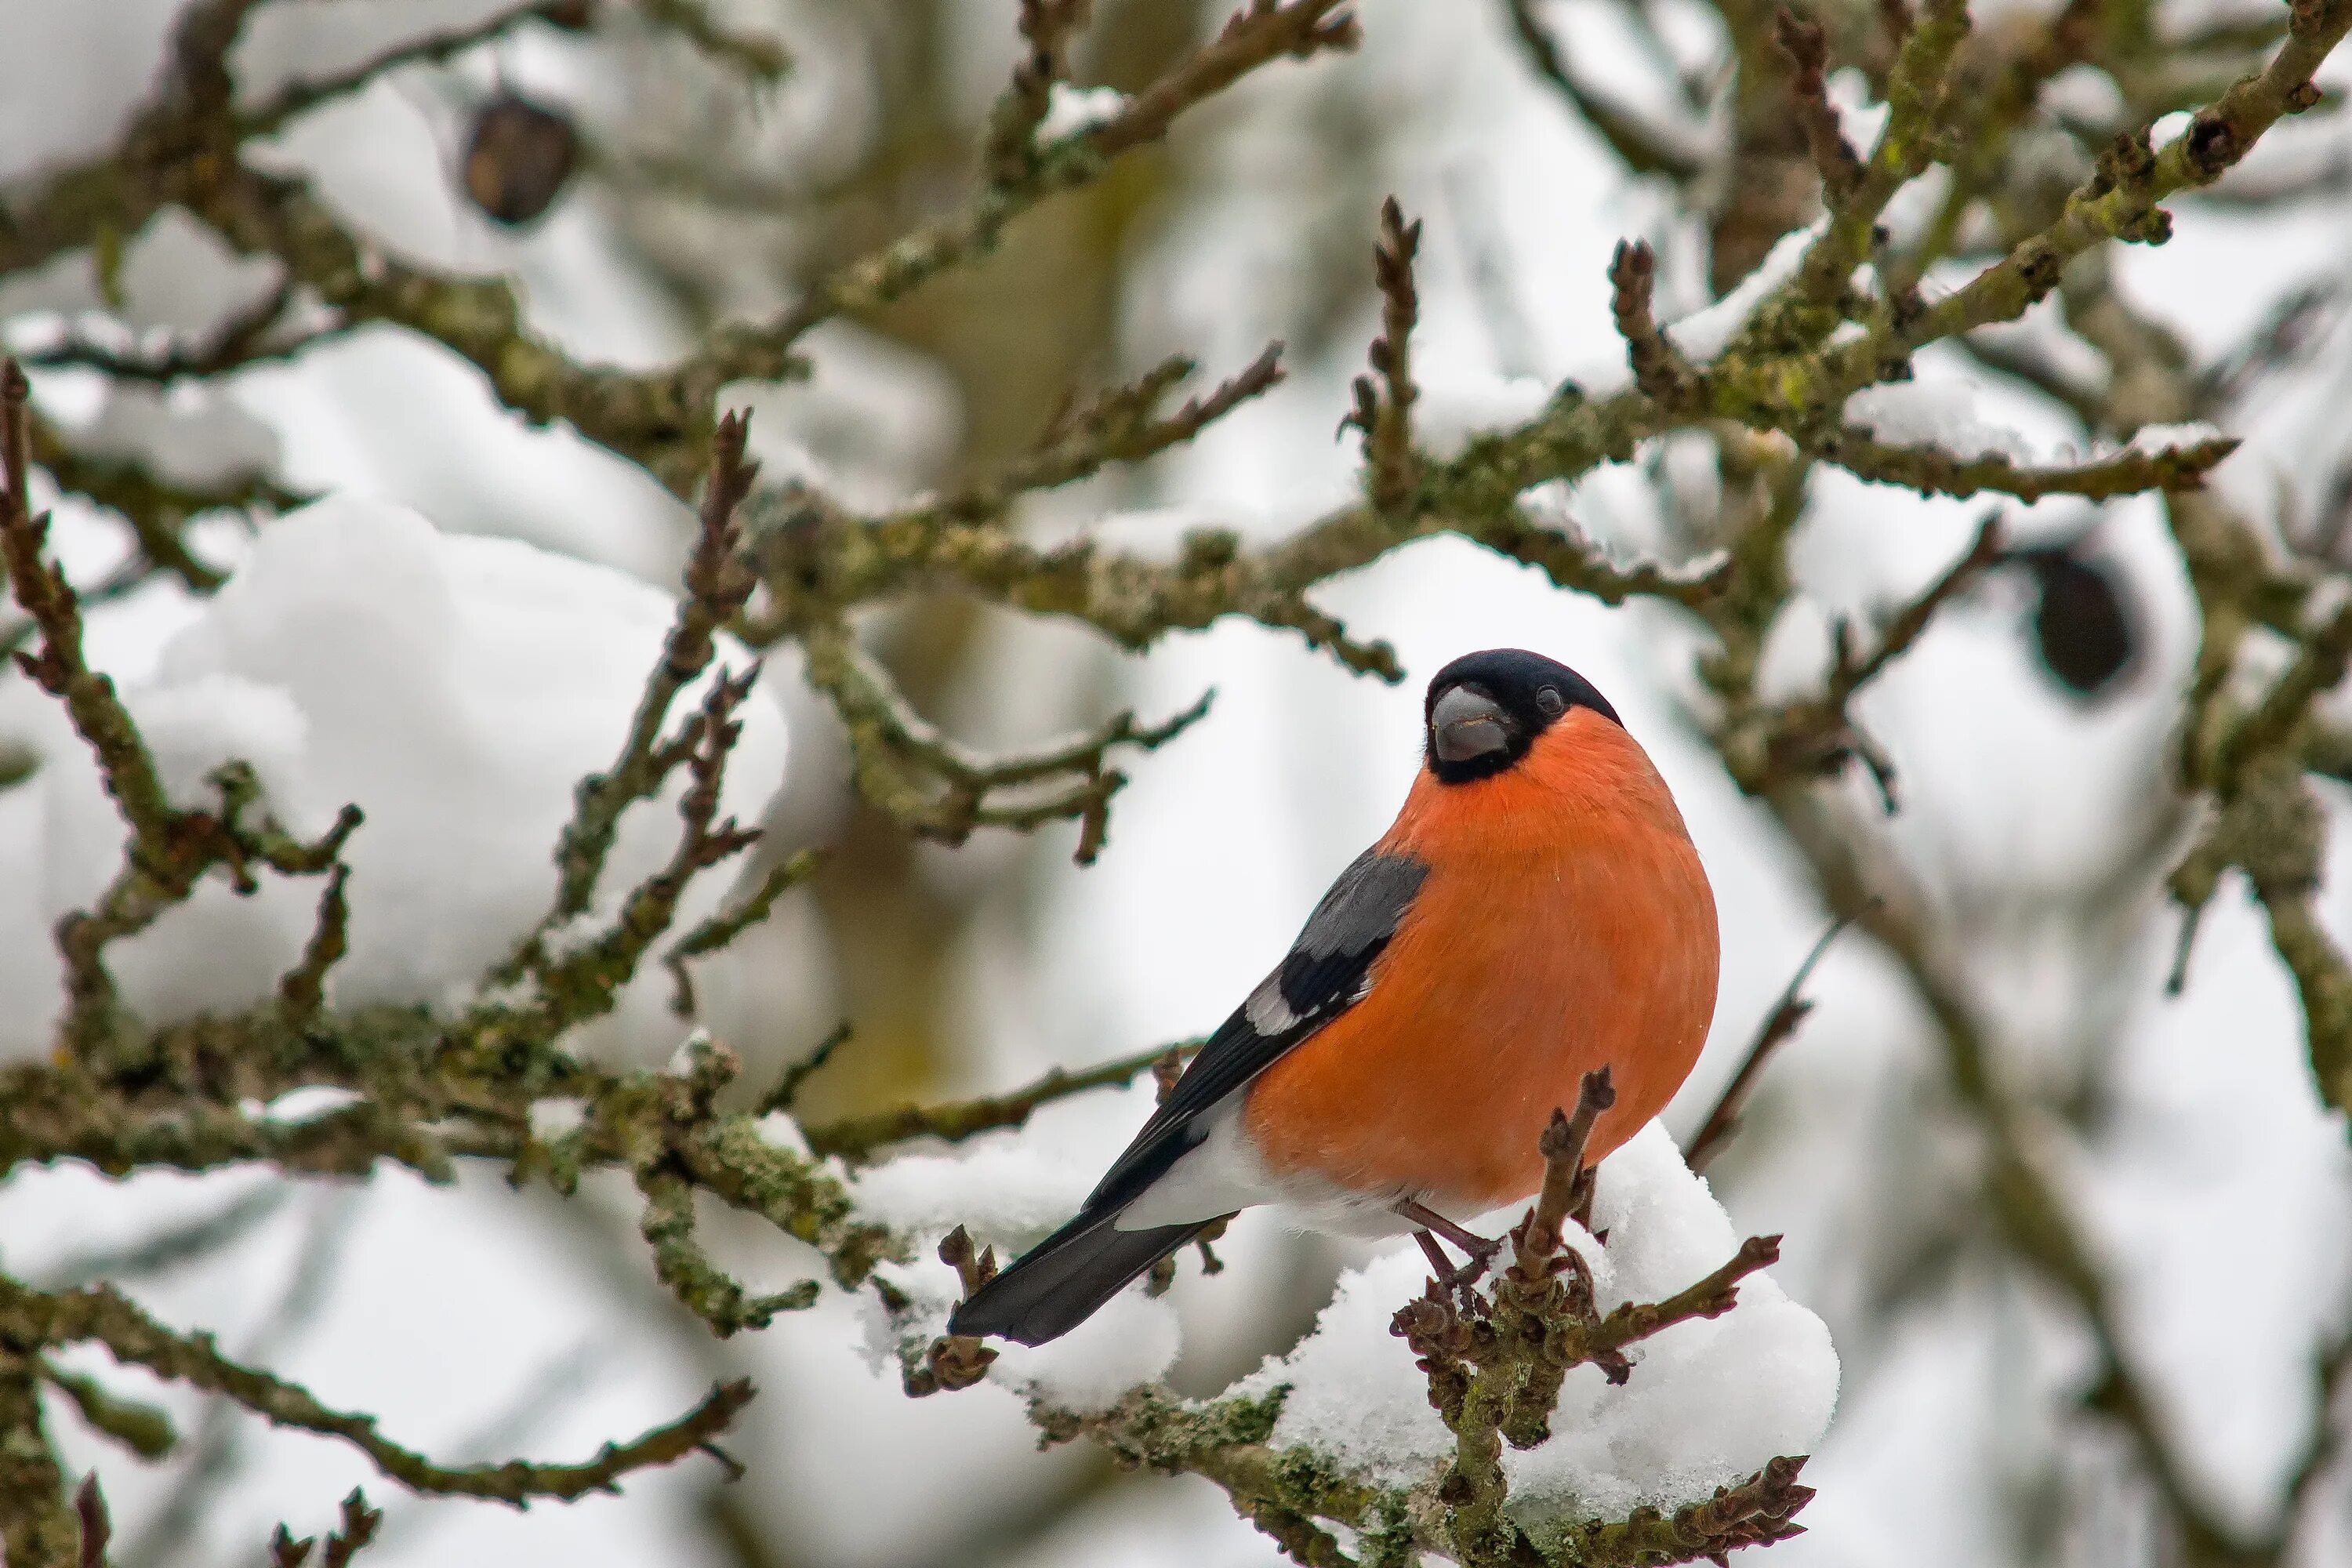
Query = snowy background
x=462 y=671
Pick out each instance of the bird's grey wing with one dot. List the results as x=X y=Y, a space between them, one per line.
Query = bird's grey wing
x=1327 y=971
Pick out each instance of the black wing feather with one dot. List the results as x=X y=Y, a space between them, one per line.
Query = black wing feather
x=1322 y=976
x=1060 y=1282
x=1066 y=1279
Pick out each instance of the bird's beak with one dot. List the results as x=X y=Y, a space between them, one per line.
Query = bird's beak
x=1465 y=724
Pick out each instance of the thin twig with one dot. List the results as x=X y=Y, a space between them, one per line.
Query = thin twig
x=1779 y=1025
x=857 y=1138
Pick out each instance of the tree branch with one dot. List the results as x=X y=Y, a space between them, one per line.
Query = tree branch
x=32 y=1319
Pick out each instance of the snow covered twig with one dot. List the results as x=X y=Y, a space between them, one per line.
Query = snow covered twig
x=1931 y=470
x=170 y=848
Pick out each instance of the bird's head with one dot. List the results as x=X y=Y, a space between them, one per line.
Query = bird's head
x=1485 y=710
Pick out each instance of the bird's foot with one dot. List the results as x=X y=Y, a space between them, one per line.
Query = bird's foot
x=1457 y=1280
x=1479 y=1255
x=1477 y=1251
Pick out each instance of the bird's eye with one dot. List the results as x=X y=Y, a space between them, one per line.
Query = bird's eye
x=1552 y=703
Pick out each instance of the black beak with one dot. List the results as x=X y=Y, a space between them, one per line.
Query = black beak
x=1467 y=723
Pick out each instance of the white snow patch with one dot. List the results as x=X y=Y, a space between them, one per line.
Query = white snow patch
x=778 y=1130
x=191 y=434
x=1132 y=1339
x=1453 y=407
x=1935 y=413
x=454 y=688
x=1703 y=333
x=71 y=75
x=2084 y=93
x=308 y=1103
x=1006 y=1192
x=1069 y=110
x=553 y=1118
x=2161 y=438
x=1709 y=1401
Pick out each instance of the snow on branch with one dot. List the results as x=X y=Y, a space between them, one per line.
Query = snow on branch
x=170 y=847
x=1628 y=1394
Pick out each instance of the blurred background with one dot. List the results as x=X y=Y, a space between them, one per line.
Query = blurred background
x=1973 y=1430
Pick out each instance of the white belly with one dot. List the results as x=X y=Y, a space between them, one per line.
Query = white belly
x=1223 y=1174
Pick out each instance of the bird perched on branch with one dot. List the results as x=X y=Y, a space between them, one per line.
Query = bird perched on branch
x=1536 y=912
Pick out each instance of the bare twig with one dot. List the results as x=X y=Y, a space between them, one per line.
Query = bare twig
x=1931 y=470
x=1642 y=148
x=303 y=988
x=355 y=1530
x=1779 y=1025
x=428 y=48
x=170 y=850
x=237 y=341
x=1125 y=424
x=1383 y=400
x=1809 y=737
x=757 y=56
x=724 y=926
x=858 y=1137
x=1009 y=152
x=787 y=1087
x=97 y=1529
x=956 y=1361
x=173 y=1244
x=1659 y=368
x=1801 y=39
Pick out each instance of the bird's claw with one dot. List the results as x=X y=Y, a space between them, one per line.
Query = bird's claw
x=1456 y=1279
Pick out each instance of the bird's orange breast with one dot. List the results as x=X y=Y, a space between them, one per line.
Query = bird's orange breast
x=1566 y=923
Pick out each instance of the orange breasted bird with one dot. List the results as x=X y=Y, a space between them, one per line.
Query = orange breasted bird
x=1536 y=911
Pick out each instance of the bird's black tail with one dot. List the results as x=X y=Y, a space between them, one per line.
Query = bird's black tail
x=1058 y=1284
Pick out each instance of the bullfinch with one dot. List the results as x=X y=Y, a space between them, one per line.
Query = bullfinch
x=1536 y=912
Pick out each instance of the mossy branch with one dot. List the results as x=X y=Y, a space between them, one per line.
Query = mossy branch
x=1931 y=470
x=934 y=787
x=169 y=849
x=34 y=1320
x=717 y=583
x=1495 y=1360
x=859 y=1138
x=434 y=1091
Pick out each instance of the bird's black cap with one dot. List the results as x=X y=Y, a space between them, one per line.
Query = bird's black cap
x=1484 y=710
